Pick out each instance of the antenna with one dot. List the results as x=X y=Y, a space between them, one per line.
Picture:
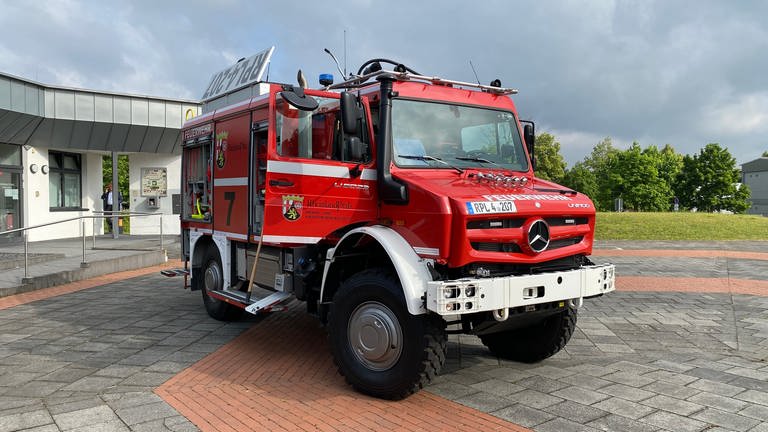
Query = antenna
x=343 y=76
x=475 y=72
x=345 y=54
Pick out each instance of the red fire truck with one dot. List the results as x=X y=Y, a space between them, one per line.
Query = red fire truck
x=395 y=205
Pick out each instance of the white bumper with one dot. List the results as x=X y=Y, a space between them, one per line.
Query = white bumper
x=465 y=296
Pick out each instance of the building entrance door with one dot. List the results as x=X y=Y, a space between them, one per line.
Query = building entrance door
x=10 y=190
x=10 y=200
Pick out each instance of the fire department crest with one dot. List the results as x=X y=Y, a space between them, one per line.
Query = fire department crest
x=292 y=207
x=221 y=148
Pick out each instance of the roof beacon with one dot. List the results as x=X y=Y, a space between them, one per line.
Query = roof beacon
x=326 y=79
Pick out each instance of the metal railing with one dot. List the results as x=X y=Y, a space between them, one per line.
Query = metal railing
x=98 y=215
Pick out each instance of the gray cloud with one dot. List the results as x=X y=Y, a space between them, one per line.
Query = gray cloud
x=653 y=71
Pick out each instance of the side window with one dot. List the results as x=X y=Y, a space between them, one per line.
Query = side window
x=313 y=135
x=260 y=166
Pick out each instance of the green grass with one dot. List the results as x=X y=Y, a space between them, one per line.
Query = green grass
x=680 y=226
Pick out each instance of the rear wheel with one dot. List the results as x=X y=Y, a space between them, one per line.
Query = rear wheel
x=379 y=347
x=536 y=342
x=213 y=279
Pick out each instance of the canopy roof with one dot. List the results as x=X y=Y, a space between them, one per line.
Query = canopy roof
x=77 y=119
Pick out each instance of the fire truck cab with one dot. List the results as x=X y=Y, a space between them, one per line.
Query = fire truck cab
x=393 y=204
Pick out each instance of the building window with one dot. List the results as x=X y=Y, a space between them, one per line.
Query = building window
x=64 y=181
x=10 y=155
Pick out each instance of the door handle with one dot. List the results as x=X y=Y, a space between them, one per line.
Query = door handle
x=280 y=183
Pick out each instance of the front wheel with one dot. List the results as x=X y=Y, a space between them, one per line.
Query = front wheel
x=213 y=279
x=536 y=342
x=379 y=347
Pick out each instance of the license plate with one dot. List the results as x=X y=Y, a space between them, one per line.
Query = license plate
x=491 y=207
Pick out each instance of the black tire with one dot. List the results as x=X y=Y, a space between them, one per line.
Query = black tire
x=397 y=353
x=536 y=342
x=213 y=279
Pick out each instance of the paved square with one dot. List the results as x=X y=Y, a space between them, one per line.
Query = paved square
x=141 y=354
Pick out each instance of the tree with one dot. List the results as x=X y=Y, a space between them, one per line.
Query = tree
x=765 y=154
x=635 y=178
x=709 y=181
x=669 y=165
x=602 y=162
x=550 y=164
x=581 y=178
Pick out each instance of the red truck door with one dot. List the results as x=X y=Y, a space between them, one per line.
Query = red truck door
x=230 y=176
x=260 y=146
x=315 y=184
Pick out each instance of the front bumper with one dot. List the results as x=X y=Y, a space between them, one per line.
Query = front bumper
x=464 y=296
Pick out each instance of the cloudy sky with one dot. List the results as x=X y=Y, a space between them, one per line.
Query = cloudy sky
x=655 y=72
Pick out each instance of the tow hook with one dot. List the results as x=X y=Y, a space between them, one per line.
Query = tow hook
x=576 y=305
x=501 y=314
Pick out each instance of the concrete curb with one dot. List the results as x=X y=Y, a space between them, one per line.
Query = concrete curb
x=93 y=269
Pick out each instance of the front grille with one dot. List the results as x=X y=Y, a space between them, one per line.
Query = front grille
x=561 y=243
x=517 y=223
x=514 y=248
x=495 y=223
x=569 y=221
x=495 y=247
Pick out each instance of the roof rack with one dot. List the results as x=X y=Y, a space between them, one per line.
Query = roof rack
x=362 y=80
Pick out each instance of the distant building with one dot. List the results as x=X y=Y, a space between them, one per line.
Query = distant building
x=755 y=175
x=52 y=140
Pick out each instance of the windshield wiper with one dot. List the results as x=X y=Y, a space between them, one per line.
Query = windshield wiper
x=476 y=159
x=431 y=158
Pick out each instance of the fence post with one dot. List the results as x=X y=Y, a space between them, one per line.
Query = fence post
x=26 y=255
x=83 y=264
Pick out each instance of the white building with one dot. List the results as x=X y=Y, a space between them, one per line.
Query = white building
x=755 y=175
x=52 y=140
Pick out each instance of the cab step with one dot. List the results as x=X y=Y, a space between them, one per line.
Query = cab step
x=260 y=300
x=174 y=272
x=267 y=303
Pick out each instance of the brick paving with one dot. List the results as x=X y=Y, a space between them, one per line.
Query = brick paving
x=665 y=352
x=279 y=376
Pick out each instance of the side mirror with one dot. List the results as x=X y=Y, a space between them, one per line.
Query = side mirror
x=529 y=135
x=296 y=97
x=351 y=112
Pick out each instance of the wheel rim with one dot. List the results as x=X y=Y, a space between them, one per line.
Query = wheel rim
x=375 y=336
x=213 y=277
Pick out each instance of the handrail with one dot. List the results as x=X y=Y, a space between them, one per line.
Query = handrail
x=102 y=215
x=97 y=215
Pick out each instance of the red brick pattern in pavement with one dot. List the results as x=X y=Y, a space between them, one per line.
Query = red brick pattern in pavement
x=700 y=285
x=279 y=376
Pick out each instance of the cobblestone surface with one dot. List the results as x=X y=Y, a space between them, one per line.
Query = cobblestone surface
x=638 y=361
x=90 y=360
x=655 y=361
x=716 y=267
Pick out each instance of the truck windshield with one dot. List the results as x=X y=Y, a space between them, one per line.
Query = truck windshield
x=464 y=136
